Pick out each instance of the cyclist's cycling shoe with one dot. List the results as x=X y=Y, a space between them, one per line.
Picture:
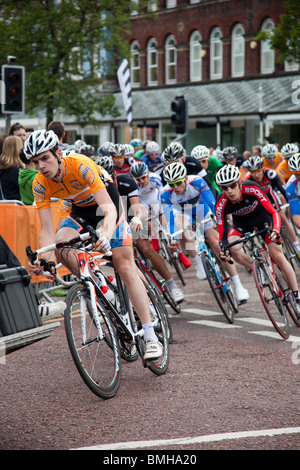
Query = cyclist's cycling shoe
x=177 y=294
x=153 y=350
x=51 y=310
x=184 y=260
x=200 y=272
x=242 y=294
x=297 y=308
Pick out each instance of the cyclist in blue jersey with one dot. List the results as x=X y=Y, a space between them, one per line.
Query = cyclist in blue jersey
x=187 y=197
x=293 y=189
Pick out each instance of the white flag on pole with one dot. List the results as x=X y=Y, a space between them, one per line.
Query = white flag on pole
x=125 y=86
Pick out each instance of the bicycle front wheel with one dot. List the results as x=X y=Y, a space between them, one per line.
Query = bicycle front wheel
x=173 y=260
x=219 y=289
x=97 y=357
x=159 y=366
x=271 y=298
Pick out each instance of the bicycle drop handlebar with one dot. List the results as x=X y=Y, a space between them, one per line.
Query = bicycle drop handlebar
x=92 y=235
x=249 y=236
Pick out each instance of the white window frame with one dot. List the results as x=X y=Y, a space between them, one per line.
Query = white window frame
x=267 y=53
x=195 y=56
x=170 y=47
x=171 y=3
x=152 y=65
x=135 y=64
x=216 y=59
x=238 y=51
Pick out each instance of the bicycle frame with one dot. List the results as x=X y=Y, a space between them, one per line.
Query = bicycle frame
x=202 y=247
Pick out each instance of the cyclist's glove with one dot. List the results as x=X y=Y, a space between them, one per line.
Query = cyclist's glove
x=48 y=265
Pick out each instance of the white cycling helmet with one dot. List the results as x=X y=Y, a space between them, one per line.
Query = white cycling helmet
x=294 y=162
x=228 y=174
x=289 y=149
x=152 y=147
x=39 y=142
x=106 y=148
x=128 y=149
x=254 y=163
x=200 y=152
x=174 y=151
x=138 y=169
x=269 y=149
x=107 y=163
x=174 y=172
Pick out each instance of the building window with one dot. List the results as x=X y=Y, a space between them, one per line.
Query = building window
x=171 y=3
x=135 y=64
x=216 y=54
x=152 y=5
x=195 y=57
x=171 y=60
x=134 y=7
x=267 y=53
x=152 y=62
x=238 y=51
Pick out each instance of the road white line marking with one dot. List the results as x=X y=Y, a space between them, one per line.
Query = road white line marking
x=256 y=321
x=194 y=440
x=198 y=311
x=214 y=324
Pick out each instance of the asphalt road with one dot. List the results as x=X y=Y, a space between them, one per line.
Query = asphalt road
x=232 y=387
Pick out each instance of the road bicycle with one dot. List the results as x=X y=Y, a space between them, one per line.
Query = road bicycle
x=219 y=281
x=102 y=329
x=276 y=297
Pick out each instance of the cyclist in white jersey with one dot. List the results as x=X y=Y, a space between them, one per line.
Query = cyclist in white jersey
x=149 y=189
x=187 y=197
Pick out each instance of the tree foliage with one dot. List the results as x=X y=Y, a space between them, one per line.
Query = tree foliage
x=286 y=37
x=66 y=46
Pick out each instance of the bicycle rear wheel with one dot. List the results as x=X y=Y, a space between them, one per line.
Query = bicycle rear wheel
x=97 y=359
x=289 y=250
x=218 y=288
x=271 y=298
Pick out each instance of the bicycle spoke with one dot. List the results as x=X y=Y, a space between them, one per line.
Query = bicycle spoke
x=96 y=358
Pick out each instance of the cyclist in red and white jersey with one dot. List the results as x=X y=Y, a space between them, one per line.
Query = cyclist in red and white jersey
x=249 y=207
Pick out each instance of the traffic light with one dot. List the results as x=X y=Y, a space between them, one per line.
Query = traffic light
x=179 y=117
x=13 y=78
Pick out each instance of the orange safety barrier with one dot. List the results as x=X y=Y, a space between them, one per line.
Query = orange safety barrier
x=20 y=227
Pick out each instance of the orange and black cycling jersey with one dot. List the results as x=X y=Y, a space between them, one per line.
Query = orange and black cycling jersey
x=82 y=179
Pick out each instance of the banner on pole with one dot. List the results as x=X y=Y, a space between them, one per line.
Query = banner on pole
x=123 y=74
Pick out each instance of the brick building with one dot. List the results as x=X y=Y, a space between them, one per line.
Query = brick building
x=238 y=92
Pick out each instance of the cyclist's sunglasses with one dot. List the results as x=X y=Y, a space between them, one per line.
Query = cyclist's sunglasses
x=256 y=171
x=271 y=157
x=141 y=178
x=176 y=183
x=231 y=186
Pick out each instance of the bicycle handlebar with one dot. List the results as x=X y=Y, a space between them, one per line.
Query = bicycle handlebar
x=249 y=236
x=92 y=234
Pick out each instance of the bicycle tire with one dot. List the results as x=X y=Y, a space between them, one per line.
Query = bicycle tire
x=172 y=260
x=98 y=361
x=159 y=366
x=271 y=299
x=289 y=301
x=226 y=278
x=218 y=289
x=289 y=250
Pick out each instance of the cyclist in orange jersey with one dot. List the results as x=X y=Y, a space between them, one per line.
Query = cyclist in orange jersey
x=283 y=170
x=95 y=201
